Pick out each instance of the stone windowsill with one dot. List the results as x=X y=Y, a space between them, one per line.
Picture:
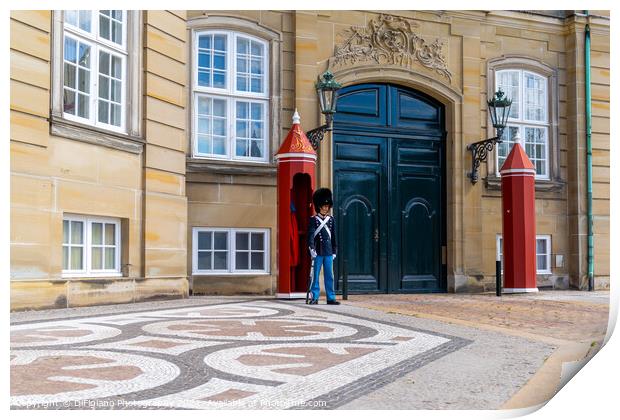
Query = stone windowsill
x=93 y=135
x=495 y=183
x=230 y=167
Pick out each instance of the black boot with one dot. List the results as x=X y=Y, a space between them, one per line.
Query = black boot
x=333 y=302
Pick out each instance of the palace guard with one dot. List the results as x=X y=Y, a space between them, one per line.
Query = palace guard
x=323 y=246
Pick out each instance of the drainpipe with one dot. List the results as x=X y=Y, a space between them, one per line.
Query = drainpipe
x=589 y=159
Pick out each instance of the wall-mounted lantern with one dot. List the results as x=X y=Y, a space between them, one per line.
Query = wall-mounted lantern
x=327 y=89
x=499 y=110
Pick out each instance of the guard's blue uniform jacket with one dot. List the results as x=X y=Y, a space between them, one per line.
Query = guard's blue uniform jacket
x=322 y=243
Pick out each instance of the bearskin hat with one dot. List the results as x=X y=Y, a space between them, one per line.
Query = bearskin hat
x=321 y=197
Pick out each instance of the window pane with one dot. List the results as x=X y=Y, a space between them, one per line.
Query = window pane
x=69 y=76
x=220 y=260
x=536 y=147
x=204 y=260
x=541 y=246
x=104 y=87
x=83 y=106
x=204 y=60
x=219 y=145
x=117 y=14
x=65 y=232
x=116 y=91
x=85 y=17
x=84 y=80
x=241 y=148
x=258 y=261
x=219 y=127
x=204 y=105
x=104 y=63
x=219 y=107
x=257 y=130
x=65 y=257
x=257 y=84
x=104 y=27
x=242 y=109
x=204 y=144
x=204 y=78
x=256 y=148
x=110 y=258
x=219 y=79
x=117 y=32
x=115 y=115
x=242 y=129
x=219 y=61
x=103 y=112
x=97 y=234
x=242 y=83
x=241 y=241
x=257 y=48
x=77 y=232
x=84 y=55
x=219 y=42
x=69 y=102
x=76 y=258
x=242 y=65
x=204 y=125
x=70 y=50
x=242 y=45
x=257 y=111
x=220 y=240
x=242 y=261
x=117 y=63
x=534 y=103
x=110 y=234
x=258 y=241
x=508 y=81
x=97 y=258
x=256 y=67
x=541 y=263
x=71 y=17
x=204 y=41
x=204 y=240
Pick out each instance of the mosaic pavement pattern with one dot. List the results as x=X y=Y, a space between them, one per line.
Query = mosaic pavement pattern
x=246 y=355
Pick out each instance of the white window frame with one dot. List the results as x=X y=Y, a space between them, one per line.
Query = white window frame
x=231 y=244
x=97 y=43
x=521 y=123
x=87 y=246
x=231 y=95
x=547 y=238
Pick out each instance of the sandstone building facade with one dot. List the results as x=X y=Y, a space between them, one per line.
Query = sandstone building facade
x=142 y=146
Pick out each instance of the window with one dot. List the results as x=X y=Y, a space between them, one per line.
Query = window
x=91 y=246
x=227 y=251
x=231 y=96
x=529 y=117
x=543 y=253
x=95 y=67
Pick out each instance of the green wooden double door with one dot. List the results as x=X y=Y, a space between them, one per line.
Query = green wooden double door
x=389 y=190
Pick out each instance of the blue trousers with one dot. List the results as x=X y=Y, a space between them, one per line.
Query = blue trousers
x=325 y=261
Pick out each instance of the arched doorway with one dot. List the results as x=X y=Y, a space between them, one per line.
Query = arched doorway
x=389 y=189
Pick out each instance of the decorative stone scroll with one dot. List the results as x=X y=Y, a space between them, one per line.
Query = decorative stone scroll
x=390 y=40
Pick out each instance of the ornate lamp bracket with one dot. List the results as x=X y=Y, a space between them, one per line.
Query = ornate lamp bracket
x=316 y=135
x=479 y=153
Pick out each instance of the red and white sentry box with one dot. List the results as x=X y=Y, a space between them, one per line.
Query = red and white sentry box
x=519 y=222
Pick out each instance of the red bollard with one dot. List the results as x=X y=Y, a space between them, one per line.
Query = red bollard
x=519 y=222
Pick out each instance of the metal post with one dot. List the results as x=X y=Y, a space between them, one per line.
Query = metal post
x=498 y=277
x=345 y=280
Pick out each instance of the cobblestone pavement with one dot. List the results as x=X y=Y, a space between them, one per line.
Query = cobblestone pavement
x=564 y=315
x=261 y=354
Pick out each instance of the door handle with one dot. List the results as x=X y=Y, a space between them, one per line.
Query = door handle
x=376 y=235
